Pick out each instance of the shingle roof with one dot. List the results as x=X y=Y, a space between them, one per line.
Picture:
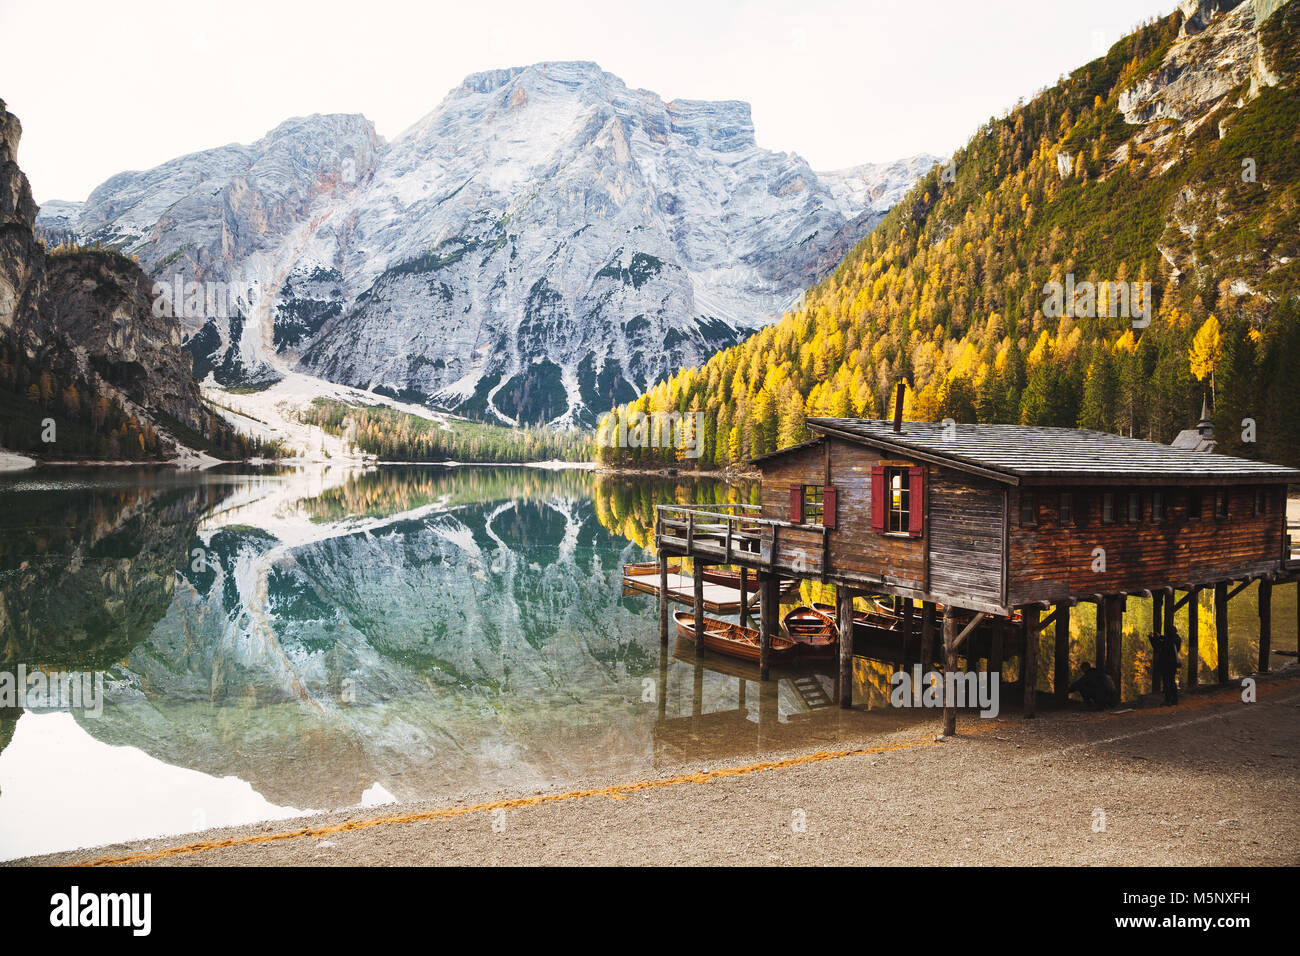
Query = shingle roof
x=1019 y=453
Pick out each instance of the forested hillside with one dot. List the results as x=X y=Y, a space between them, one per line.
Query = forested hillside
x=393 y=435
x=1171 y=161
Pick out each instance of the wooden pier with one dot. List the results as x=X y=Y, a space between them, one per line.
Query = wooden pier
x=991 y=522
x=680 y=588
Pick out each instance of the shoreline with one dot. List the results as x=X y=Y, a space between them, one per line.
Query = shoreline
x=1005 y=791
x=11 y=461
x=730 y=476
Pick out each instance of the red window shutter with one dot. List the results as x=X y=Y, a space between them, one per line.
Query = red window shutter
x=879 y=498
x=828 y=506
x=916 y=501
x=796 y=503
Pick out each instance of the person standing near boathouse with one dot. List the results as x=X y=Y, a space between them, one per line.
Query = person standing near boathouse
x=1165 y=662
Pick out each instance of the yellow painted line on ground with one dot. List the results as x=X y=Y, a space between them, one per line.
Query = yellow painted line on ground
x=616 y=792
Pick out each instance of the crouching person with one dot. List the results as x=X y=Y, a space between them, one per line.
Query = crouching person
x=1096 y=688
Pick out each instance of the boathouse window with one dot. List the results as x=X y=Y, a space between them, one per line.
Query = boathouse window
x=898 y=500
x=1065 y=511
x=1157 y=506
x=1080 y=506
x=1221 y=503
x=1134 y=507
x=1261 y=502
x=1108 y=507
x=813 y=504
x=1194 y=504
x=1028 y=511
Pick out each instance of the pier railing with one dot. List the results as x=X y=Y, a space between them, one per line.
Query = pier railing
x=1293 y=539
x=736 y=533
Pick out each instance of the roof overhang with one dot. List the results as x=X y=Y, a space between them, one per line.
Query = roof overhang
x=1049 y=476
x=788 y=449
x=905 y=451
x=1030 y=477
x=1119 y=478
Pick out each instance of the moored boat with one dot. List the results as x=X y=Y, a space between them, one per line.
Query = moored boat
x=722 y=637
x=813 y=630
x=730 y=578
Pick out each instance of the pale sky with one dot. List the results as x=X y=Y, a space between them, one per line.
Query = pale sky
x=106 y=87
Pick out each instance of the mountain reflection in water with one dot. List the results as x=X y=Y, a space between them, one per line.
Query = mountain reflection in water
x=323 y=636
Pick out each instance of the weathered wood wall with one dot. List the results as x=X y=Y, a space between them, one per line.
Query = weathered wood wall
x=959 y=553
x=898 y=558
x=1049 y=562
x=805 y=466
x=965 y=531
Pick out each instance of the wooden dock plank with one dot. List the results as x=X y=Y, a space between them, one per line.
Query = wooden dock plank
x=718 y=598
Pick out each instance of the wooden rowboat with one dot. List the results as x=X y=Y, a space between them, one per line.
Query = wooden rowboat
x=829 y=611
x=730 y=578
x=813 y=630
x=733 y=640
x=883 y=622
x=859 y=617
x=724 y=576
x=804 y=618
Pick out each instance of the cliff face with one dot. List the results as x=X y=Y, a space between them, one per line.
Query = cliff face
x=21 y=263
x=103 y=304
x=80 y=344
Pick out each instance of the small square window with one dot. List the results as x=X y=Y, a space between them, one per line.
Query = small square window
x=1134 y=507
x=1065 y=512
x=1157 y=506
x=1108 y=507
x=1028 y=511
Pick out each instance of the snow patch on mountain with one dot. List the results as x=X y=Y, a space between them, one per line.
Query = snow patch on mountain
x=876 y=186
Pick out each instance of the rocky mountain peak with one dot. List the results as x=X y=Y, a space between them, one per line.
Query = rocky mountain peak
x=16 y=204
x=545 y=242
x=724 y=125
x=22 y=275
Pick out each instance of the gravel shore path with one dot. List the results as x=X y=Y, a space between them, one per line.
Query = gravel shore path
x=1213 y=781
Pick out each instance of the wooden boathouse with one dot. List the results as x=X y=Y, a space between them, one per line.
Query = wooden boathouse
x=997 y=525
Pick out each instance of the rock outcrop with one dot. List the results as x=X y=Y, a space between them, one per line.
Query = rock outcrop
x=1218 y=49
x=103 y=303
x=81 y=345
x=22 y=275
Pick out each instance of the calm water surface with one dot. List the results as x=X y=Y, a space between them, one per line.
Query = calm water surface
x=281 y=642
